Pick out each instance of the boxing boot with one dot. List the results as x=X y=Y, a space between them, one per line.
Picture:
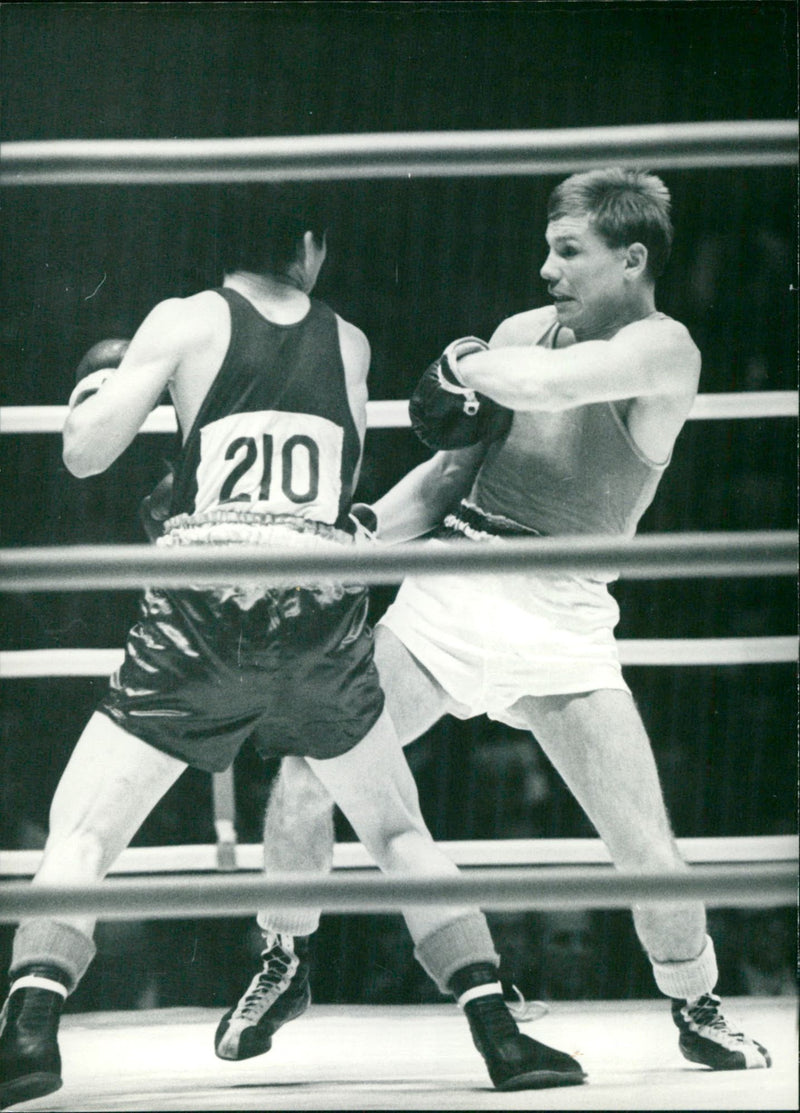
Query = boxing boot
x=30 y=1062
x=514 y=1061
x=706 y=1037
x=278 y=992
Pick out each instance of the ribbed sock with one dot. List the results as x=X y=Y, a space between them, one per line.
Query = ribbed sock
x=460 y=943
x=689 y=979
x=44 y=942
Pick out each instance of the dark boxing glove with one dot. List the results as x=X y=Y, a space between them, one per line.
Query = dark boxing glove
x=154 y=508
x=446 y=414
x=95 y=367
x=365 y=520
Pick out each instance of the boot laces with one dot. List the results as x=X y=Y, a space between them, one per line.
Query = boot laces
x=495 y=1017
x=520 y=1007
x=705 y=1014
x=268 y=983
x=38 y=1004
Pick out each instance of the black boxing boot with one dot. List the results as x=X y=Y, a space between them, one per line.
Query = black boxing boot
x=278 y=992
x=30 y=1063
x=514 y=1061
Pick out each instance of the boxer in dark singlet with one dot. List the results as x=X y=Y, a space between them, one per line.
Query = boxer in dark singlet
x=269 y=388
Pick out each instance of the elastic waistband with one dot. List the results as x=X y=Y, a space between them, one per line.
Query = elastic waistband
x=244 y=527
x=479 y=525
x=276 y=531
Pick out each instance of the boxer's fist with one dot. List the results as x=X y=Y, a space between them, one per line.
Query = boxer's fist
x=446 y=414
x=365 y=520
x=95 y=367
x=154 y=508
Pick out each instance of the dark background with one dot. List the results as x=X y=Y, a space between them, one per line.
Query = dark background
x=413 y=263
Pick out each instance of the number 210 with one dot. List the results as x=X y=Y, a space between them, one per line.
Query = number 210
x=288 y=470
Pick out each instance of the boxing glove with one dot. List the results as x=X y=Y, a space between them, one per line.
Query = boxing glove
x=365 y=520
x=95 y=367
x=446 y=414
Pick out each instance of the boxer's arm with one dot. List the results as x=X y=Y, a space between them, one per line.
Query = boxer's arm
x=356 y=356
x=102 y=426
x=420 y=500
x=644 y=359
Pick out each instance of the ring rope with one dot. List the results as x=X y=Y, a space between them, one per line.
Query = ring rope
x=83 y=567
x=744 y=404
x=397 y=154
x=203 y=857
x=78 y=162
x=17 y=664
x=772 y=884
x=393 y=414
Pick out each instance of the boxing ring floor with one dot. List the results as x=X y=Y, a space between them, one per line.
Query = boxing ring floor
x=412 y=1057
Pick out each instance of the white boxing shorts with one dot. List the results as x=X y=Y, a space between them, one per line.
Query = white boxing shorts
x=491 y=639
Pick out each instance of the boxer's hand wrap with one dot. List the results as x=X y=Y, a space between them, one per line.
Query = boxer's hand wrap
x=446 y=414
x=154 y=508
x=366 y=522
x=447 y=369
x=95 y=367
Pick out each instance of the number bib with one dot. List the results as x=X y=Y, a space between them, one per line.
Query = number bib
x=283 y=463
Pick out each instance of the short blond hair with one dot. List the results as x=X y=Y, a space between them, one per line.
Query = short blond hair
x=625 y=206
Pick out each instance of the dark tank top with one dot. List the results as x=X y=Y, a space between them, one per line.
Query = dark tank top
x=275 y=433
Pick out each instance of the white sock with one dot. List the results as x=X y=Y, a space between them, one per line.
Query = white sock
x=690 y=979
x=37 y=981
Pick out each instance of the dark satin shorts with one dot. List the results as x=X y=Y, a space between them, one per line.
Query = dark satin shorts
x=201 y=674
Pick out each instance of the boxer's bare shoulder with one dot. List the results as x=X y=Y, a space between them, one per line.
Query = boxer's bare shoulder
x=523 y=328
